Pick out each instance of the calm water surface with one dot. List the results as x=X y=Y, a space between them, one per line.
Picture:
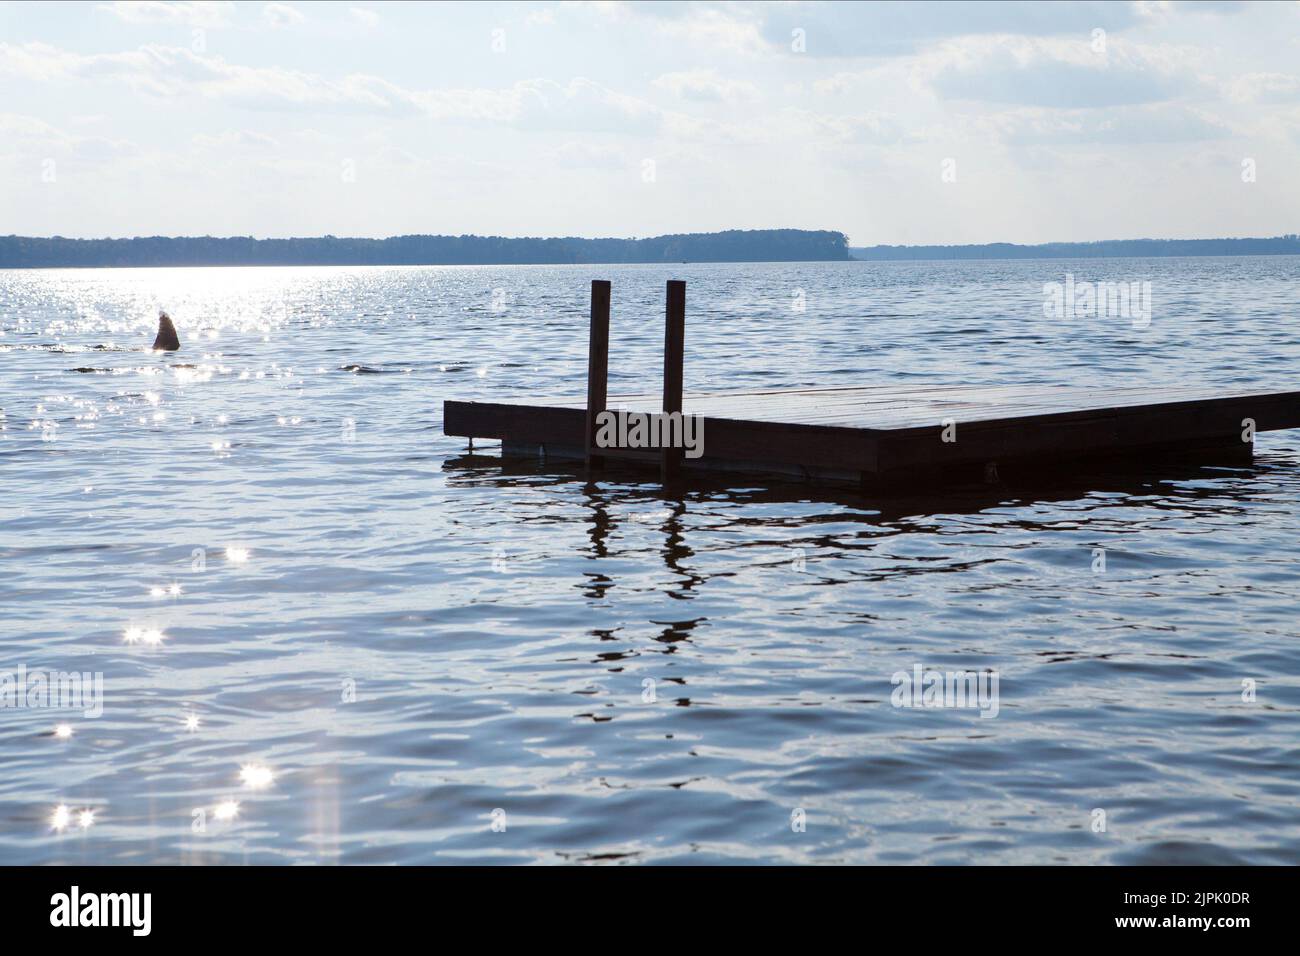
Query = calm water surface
x=395 y=653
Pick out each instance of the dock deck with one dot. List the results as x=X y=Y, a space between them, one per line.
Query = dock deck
x=893 y=434
x=884 y=435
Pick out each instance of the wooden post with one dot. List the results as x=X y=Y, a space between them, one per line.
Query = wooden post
x=597 y=365
x=674 y=349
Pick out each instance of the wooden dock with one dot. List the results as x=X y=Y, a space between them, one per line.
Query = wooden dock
x=882 y=436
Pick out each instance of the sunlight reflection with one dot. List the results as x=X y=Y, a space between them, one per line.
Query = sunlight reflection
x=150 y=636
x=63 y=731
x=189 y=375
x=191 y=722
x=226 y=811
x=256 y=776
x=237 y=555
x=60 y=818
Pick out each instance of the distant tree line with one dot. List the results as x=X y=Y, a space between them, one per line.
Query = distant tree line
x=756 y=245
x=1288 y=245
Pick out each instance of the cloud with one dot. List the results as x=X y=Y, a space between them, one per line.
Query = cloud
x=193 y=14
x=1122 y=126
x=580 y=104
x=367 y=18
x=1263 y=88
x=787 y=127
x=281 y=15
x=235 y=139
x=1058 y=73
x=588 y=155
x=17 y=128
x=174 y=71
x=887 y=28
x=395 y=157
x=718 y=28
x=1204 y=7
x=45 y=63
x=29 y=137
x=873 y=128
x=706 y=86
x=714 y=29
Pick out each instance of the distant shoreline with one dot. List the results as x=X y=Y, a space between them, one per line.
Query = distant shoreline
x=1288 y=245
x=757 y=245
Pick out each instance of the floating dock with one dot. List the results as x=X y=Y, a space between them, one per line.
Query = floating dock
x=881 y=436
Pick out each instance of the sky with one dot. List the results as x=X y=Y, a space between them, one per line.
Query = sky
x=896 y=123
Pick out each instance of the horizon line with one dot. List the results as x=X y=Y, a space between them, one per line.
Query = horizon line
x=666 y=235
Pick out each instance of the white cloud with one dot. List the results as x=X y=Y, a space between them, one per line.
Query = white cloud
x=715 y=29
x=281 y=15
x=44 y=63
x=720 y=28
x=1123 y=126
x=367 y=18
x=17 y=128
x=588 y=155
x=706 y=86
x=580 y=104
x=29 y=137
x=898 y=29
x=871 y=128
x=235 y=139
x=1264 y=88
x=173 y=71
x=193 y=14
x=1053 y=72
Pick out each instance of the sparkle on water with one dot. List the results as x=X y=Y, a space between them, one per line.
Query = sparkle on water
x=149 y=636
x=63 y=731
x=255 y=776
x=226 y=810
x=519 y=683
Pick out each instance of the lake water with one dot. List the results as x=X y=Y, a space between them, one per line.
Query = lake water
x=326 y=636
